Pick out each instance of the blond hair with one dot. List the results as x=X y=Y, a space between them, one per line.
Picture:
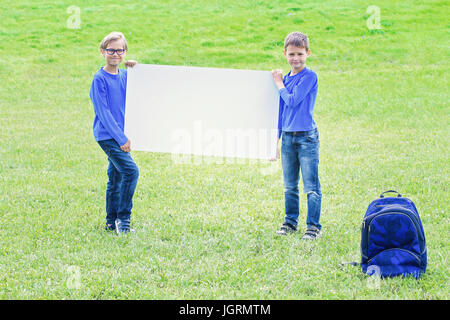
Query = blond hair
x=297 y=39
x=113 y=36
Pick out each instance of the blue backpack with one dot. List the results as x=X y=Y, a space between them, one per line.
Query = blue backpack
x=392 y=238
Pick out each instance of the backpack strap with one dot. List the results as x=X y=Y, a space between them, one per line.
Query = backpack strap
x=353 y=263
x=398 y=194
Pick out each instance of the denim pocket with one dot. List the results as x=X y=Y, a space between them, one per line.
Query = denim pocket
x=286 y=139
x=106 y=145
x=313 y=136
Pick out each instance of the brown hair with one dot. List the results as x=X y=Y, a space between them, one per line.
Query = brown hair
x=297 y=39
x=113 y=36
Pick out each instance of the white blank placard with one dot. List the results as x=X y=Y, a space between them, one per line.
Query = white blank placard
x=202 y=111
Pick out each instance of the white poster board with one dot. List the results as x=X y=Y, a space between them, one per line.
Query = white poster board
x=202 y=111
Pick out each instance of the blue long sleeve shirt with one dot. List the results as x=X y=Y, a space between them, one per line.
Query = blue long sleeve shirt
x=297 y=102
x=108 y=95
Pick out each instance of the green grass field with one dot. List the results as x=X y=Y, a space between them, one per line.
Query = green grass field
x=207 y=231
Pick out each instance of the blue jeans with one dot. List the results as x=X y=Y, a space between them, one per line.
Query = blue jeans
x=300 y=152
x=123 y=175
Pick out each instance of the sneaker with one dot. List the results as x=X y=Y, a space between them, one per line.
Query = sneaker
x=312 y=233
x=110 y=227
x=123 y=227
x=286 y=229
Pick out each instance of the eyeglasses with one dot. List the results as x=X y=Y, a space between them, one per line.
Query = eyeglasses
x=112 y=51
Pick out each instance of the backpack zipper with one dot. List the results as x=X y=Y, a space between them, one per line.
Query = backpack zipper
x=401 y=249
x=414 y=219
x=376 y=215
x=395 y=212
x=386 y=213
x=390 y=208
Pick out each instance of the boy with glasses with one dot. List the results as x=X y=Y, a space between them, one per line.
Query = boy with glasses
x=108 y=92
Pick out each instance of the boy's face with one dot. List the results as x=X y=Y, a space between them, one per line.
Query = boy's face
x=296 y=57
x=115 y=58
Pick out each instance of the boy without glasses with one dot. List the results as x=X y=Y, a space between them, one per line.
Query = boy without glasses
x=108 y=93
x=300 y=136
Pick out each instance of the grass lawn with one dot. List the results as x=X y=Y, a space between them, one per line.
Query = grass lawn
x=207 y=231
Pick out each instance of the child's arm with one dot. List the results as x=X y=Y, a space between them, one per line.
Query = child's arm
x=130 y=63
x=278 y=78
x=126 y=147
x=299 y=92
x=98 y=97
x=277 y=156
